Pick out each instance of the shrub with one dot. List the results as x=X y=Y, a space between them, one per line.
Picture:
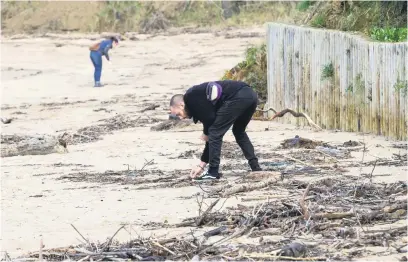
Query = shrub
x=389 y=34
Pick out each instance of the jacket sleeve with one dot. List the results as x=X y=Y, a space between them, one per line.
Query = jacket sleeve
x=105 y=52
x=206 y=116
x=206 y=153
x=205 y=129
x=208 y=120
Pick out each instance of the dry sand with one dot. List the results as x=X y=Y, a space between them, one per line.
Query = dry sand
x=36 y=72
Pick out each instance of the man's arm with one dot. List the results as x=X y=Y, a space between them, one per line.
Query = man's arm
x=208 y=120
x=205 y=129
x=106 y=53
x=106 y=50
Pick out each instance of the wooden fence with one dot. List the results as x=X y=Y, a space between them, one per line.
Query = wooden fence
x=339 y=79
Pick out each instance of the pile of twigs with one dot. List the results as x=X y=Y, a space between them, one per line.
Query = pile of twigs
x=311 y=223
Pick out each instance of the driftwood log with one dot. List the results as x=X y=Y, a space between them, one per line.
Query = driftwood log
x=262 y=179
x=22 y=145
x=250 y=186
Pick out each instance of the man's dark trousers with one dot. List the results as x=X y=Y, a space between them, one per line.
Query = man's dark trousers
x=236 y=111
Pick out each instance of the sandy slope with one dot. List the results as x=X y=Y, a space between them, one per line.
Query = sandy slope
x=36 y=72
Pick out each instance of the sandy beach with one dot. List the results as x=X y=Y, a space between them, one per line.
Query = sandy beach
x=47 y=89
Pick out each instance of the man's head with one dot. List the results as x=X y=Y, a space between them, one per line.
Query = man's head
x=115 y=41
x=177 y=106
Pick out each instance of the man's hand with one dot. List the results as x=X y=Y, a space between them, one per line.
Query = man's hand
x=204 y=138
x=198 y=170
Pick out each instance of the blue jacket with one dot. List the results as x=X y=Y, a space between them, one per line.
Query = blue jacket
x=104 y=47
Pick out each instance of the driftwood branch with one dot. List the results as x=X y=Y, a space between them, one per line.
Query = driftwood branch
x=296 y=114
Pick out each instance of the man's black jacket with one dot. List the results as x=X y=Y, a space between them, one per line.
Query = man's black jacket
x=201 y=109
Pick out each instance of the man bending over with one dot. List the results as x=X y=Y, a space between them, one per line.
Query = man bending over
x=218 y=105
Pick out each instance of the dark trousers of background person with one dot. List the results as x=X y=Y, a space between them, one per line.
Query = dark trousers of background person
x=96 y=59
x=236 y=111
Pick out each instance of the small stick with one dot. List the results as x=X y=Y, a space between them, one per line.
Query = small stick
x=372 y=171
x=87 y=241
x=146 y=164
x=303 y=205
x=106 y=248
x=40 y=255
x=162 y=247
x=200 y=204
x=201 y=218
x=85 y=258
x=263 y=203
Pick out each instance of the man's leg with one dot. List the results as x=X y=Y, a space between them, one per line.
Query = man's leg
x=94 y=64
x=98 y=69
x=242 y=138
x=224 y=119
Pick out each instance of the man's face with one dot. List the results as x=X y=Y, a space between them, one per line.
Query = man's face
x=178 y=110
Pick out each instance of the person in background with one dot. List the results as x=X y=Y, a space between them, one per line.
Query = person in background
x=218 y=106
x=97 y=51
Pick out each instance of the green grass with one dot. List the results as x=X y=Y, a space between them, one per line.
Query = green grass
x=200 y=13
x=319 y=21
x=304 y=5
x=389 y=34
x=252 y=70
x=380 y=20
x=384 y=21
x=119 y=16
